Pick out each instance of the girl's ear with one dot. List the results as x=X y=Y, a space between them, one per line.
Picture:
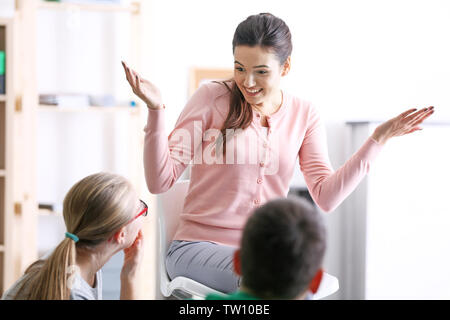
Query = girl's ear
x=237 y=262
x=119 y=236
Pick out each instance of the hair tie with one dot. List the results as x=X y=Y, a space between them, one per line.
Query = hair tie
x=72 y=236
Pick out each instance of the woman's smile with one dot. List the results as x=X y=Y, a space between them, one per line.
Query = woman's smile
x=253 y=92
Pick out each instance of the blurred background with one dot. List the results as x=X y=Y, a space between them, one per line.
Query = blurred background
x=360 y=62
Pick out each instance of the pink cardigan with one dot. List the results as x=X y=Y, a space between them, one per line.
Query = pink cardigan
x=223 y=192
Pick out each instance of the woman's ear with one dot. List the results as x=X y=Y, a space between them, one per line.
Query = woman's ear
x=237 y=262
x=119 y=236
x=286 y=66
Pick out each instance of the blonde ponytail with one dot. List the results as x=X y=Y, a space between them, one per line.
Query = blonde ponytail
x=94 y=209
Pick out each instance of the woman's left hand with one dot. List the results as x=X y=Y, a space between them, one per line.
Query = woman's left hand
x=405 y=123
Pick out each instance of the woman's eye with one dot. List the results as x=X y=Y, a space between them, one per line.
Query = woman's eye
x=259 y=72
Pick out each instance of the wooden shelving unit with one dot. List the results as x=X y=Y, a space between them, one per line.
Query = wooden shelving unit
x=6 y=140
x=19 y=110
x=133 y=8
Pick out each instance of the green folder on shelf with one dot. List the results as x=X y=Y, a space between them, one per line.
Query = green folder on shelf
x=2 y=63
x=2 y=72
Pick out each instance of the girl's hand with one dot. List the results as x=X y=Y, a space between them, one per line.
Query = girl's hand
x=133 y=258
x=405 y=123
x=143 y=88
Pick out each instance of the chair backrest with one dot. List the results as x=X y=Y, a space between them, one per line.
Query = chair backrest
x=171 y=206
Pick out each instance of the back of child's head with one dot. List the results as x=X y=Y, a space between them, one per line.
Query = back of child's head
x=282 y=248
x=94 y=209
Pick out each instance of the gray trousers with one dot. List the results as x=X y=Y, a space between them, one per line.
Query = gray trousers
x=206 y=262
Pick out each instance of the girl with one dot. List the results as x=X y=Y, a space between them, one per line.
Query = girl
x=103 y=215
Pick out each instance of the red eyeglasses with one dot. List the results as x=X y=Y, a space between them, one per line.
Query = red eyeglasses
x=143 y=212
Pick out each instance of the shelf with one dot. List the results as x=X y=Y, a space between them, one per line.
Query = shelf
x=3 y=136
x=2 y=173
x=2 y=212
x=46 y=212
x=2 y=248
x=2 y=268
x=47 y=108
x=5 y=21
x=2 y=97
x=132 y=8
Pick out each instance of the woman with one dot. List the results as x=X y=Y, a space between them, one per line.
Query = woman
x=103 y=215
x=252 y=112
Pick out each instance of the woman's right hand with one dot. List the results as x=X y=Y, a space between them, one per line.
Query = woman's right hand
x=133 y=257
x=143 y=88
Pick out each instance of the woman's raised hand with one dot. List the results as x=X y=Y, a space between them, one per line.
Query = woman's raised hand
x=143 y=88
x=407 y=122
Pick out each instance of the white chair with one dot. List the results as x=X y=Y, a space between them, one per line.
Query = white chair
x=328 y=286
x=172 y=203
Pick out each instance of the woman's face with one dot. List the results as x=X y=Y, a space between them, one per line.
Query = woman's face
x=257 y=73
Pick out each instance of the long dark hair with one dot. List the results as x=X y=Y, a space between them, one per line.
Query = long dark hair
x=268 y=32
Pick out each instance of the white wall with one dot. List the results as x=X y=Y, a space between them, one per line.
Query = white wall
x=356 y=60
x=408 y=218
